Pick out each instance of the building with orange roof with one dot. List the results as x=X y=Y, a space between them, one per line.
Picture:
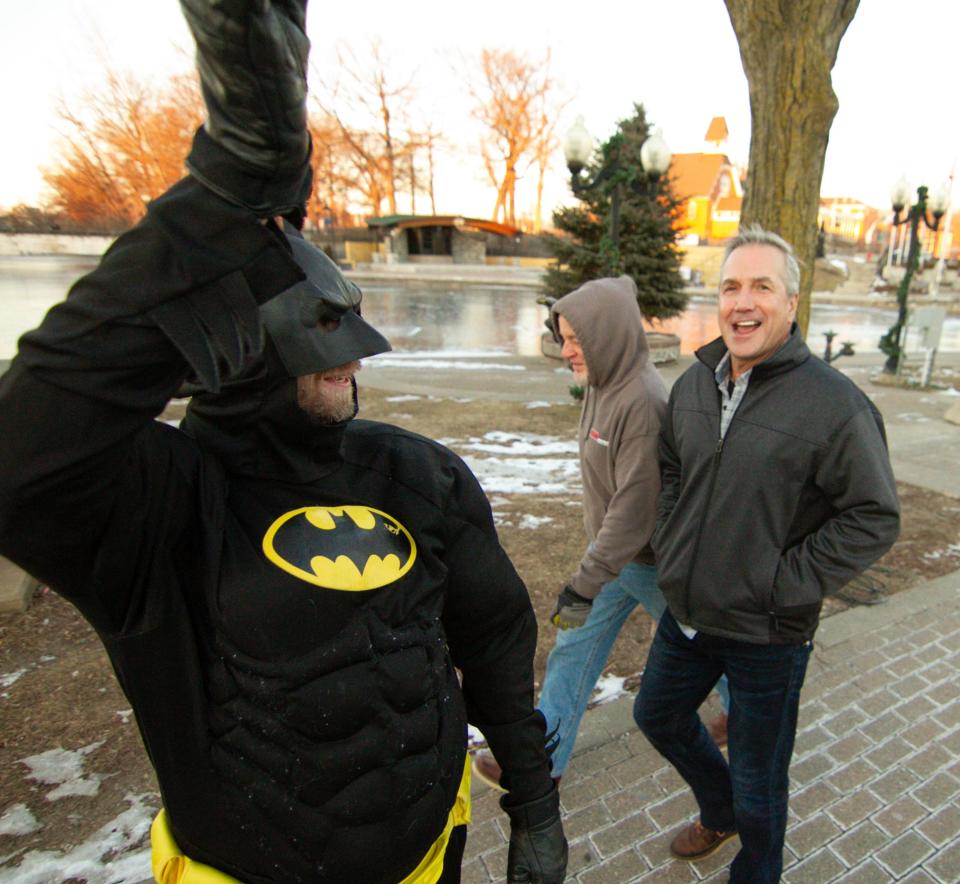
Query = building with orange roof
x=709 y=187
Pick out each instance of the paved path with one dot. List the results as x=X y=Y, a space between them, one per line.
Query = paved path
x=876 y=773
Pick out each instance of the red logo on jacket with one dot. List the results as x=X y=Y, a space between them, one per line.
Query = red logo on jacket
x=595 y=435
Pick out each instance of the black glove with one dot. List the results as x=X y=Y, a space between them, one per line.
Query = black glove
x=538 y=847
x=254 y=148
x=572 y=609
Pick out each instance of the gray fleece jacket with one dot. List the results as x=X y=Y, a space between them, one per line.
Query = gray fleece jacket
x=619 y=424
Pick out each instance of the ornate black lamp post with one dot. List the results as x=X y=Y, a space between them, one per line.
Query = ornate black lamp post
x=615 y=175
x=890 y=343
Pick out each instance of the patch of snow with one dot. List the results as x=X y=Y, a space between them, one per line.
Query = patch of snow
x=124 y=715
x=17 y=820
x=475 y=738
x=607 y=689
x=539 y=403
x=64 y=768
x=405 y=398
x=446 y=364
x=950 y=391
x=500 y=442
x=952 y=551
x=112 y=855
x=445 y=353
x=10 y=677
x=912 y=417
x=520 y=475
x=533 y=522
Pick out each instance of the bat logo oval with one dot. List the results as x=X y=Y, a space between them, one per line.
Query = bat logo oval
x=348 y=548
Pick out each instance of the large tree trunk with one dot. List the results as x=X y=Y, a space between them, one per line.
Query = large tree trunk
x=788 y=48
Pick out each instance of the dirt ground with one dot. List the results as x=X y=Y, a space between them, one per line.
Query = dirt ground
x=68 y=697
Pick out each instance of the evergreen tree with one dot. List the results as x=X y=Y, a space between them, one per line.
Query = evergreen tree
x=649 y=217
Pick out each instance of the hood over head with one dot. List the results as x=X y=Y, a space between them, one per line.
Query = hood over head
x=254 y=423
x=606 y=317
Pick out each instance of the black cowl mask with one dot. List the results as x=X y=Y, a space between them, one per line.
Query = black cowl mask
x=253 y=423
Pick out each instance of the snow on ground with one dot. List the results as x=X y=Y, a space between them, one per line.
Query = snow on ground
x=64 y=769
x=111 y=855
x=459 y=360
x=912 y=417
x=519 y=444
x=607 y=689
x=17 y=820
x=8 y=678
x=521 y=463
x=528 y=522
x=952 y=551
x=525 y=475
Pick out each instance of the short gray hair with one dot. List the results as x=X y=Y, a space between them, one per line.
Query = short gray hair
x=755 y=235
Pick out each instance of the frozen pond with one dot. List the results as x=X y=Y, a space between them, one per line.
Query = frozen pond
x=437 y=316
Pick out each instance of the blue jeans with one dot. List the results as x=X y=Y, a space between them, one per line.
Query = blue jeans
x=750 y=795
x=579 y=655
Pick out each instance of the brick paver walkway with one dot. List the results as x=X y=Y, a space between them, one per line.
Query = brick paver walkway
x=875 y=779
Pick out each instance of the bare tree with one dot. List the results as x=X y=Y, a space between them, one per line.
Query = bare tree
x=123 y=146
x=333 y=177
x=380 y=105
x=792 y=104
x=544 y=148
x=511 y=101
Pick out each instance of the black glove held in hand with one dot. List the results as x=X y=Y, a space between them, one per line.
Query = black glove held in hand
x=572 y=609
x=252 y=59
x=538 y=848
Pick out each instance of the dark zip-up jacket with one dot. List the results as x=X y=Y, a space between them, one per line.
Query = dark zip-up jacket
x=302 y=727
x=754 y=530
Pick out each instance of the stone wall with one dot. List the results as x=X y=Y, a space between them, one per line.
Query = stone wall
x=468 y=248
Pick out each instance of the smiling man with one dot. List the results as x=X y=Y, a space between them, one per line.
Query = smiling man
x=776 y=491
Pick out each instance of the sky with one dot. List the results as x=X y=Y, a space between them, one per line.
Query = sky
x=893 y=78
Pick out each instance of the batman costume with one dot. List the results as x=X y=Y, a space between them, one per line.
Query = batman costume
x=286 y=604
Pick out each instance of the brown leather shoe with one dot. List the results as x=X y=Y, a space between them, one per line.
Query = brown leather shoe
x=718 y=730
x=696 y=842
x=486 y=769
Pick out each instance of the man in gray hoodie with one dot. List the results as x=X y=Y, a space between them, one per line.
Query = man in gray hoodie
x=603 y=340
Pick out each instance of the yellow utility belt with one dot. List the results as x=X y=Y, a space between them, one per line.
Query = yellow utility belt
x=171 y=866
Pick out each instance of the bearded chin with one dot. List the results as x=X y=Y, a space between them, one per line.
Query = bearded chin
x=333 y=407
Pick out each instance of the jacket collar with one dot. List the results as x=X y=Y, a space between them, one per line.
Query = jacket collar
x=792 y=352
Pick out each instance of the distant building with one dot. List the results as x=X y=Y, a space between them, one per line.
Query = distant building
x=438 y=239
x=710 y=188
x=847 y=220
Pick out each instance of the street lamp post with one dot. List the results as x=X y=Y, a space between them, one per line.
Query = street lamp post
x=615 y=175
x=891 y=343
